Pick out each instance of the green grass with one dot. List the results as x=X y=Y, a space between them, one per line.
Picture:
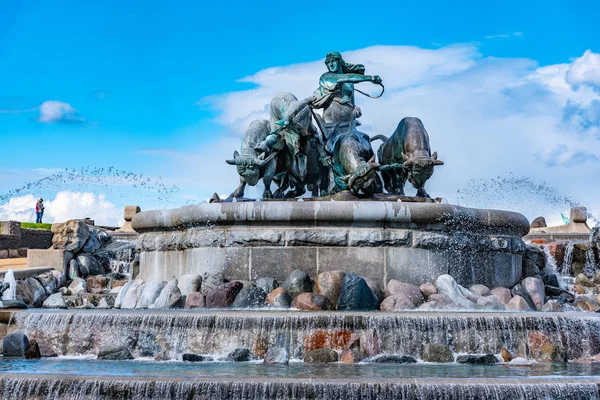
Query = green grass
x=33 y=225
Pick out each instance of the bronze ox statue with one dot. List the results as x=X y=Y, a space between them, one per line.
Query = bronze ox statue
x=408 y=154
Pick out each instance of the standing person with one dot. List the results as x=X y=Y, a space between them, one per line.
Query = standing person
x=39 y=210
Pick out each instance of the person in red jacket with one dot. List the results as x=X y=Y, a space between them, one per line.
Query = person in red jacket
x=39 y=210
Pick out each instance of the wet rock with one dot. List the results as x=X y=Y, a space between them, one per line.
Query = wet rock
x=411 y=292
x=428 y=289
x=437 y=353
x=557 y=251
x=487 y=359
x=321 y=356
x=445 y=284
x=391 y=359
x=224 y=295
x=375 y=286
x=33 y=351
x=15 y=345
x=329 y=284
x=549 y=278
x=432 y=306
x=584 y=281
x=312 y=302
x=518 y=303
x=169 y=297
x=586 y=303
x=553 y=306
x=38 y=292
x=441 y=298
x=189 y=283
x=277 y=355
x=490 y=303
x=114 y=352
x=194 y=300
x=505 y=354
x=61 y=279
x=396 y=303
x=103 y=303
x=267 y=284
x=279 y=298
x=503 y=294
x=55 y=301
x=88 y=265
x=239 y=355
x=46 y=351
x=130 y=298
x=23 y=292
x=73 y=270
x=96 y=282
x=481 y=290
x=339 y=339
x=578 y=289
x=297 y=282
x=70 y=235
x=520 y=291
x=250 y=297
x=539 y=222
x=193 y=357
x=93 y=243
x=541 y=347
x=351 y=356
x=521 y=362
x=356 y=295
x=49 y=282
x=535 y=288
x=150 y=293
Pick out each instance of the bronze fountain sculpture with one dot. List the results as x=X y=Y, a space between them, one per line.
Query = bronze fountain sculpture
x=331 y=155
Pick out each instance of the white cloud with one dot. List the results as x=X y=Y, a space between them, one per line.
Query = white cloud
x=66 y=205
x=486 y=117
x=53 y=111
x=504 y=35
x=585 y=71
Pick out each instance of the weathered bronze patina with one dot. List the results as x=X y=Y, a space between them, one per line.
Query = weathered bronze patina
x=331 y=155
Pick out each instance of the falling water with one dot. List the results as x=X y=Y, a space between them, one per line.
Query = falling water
x=11 y=292
x=167 y=335
x=589 y=268
x=551 y=268
x=565 y=269
x=401 y=389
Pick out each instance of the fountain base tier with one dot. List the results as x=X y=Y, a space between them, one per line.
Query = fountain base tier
x=381 y=240
x=32 y=386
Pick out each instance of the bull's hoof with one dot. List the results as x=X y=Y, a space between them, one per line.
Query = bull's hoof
x=267 y=194
x=423 y=194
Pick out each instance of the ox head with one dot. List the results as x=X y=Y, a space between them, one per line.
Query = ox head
x=364 y=177
x=248 y=166
x=420 y=169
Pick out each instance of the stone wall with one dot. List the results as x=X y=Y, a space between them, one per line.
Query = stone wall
x=411 y=242
x=14 y=240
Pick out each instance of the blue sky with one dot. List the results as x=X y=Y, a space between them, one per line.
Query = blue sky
x=136 y=81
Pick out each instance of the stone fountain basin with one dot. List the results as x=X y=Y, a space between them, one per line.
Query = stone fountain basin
x=381 y=240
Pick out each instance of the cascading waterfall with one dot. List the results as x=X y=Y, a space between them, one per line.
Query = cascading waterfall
x=120 y=261
x=11 y=292
x=565 y=269
x=551 y=267
x=590 y=267
x=167 y=335
x=406 y=389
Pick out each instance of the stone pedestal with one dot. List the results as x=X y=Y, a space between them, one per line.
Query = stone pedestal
x=381 y=240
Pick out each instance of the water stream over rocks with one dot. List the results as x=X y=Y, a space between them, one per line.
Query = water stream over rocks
x=169 y=334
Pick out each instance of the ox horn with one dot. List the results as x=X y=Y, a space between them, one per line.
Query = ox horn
x=435 y=160
x=233 y=162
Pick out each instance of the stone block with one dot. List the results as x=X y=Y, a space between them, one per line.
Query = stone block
x=578 y=214
x=279 y=262
x=11 y=228
x=379 y=237
x=3 y=254
x=57 y=259
x=430 y=240
x=256 y=237
x=317 y=237
x=14 y=253
x=130 y=212
x=367 y=262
